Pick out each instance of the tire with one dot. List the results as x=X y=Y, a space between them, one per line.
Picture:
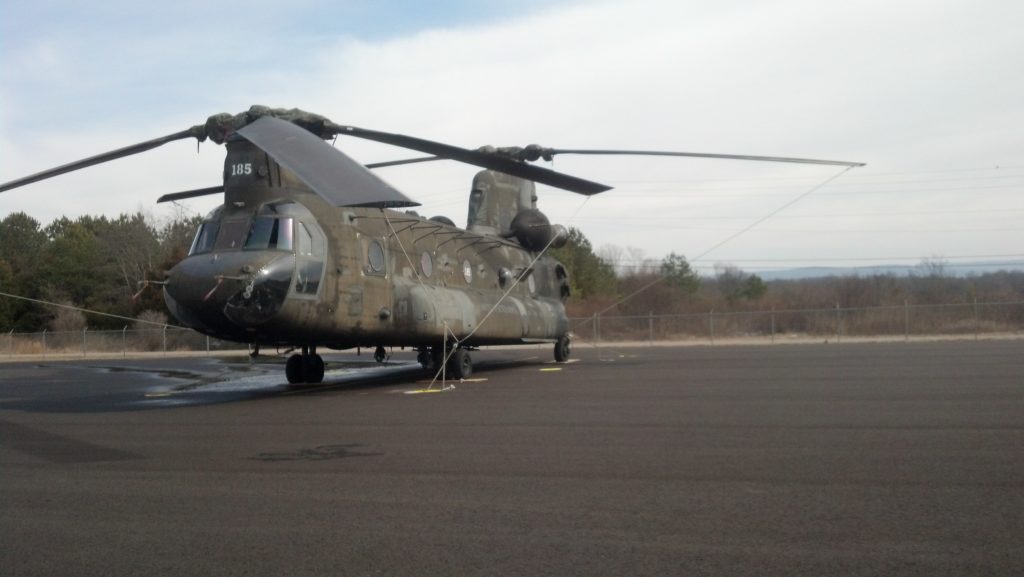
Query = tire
x=293 y=369
x=562 y=349
x=316 y=369
x=460 y=365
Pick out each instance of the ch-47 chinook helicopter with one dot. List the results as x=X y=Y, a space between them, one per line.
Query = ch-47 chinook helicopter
x=308 y=251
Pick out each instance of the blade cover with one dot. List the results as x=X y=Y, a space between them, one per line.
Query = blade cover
x=337 y=178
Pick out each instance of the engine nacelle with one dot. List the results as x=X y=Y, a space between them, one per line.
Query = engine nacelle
x=533 y=230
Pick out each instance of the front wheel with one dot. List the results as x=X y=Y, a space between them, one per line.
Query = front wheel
x=562 y=349
x=293 y=369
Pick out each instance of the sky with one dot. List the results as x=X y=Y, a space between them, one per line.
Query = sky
x=930 y=94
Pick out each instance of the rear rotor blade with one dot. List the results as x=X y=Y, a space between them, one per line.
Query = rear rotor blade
x=549 y=152
x=535 y=152
x=190 y=194
x=99 y=159
x=482 y=159
x=406 y=161
x=328 y=171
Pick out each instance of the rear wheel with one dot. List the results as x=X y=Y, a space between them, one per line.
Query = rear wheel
x=562 y=349
x=460 y=364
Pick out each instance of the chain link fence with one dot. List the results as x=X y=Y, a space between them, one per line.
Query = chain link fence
x=892 y=322
x=164 y=340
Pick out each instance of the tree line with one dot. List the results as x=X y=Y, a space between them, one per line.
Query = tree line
x=601 y=283
x=101 y=263
x=95 y=263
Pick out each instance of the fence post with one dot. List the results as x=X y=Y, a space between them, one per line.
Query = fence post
x=650 y=327
x=165 y=339
x=207 y=345
x=773 y=325
x=906 y=321
x=124 y=342
x=977 y=321
x=12 y=342
x=711 y=325
x=83 y=340
x=44 y=343
x=839 y=322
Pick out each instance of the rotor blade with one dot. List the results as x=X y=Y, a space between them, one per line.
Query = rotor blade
x=533 y=152
x=98 y=159
x=554 y=151
x=406 y=161
x=190 y=194
x=328 y=171
x=482 y=159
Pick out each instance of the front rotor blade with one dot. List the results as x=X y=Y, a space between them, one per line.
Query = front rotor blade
x=554 y=151
x=98 y=159
x=190 y=194
x=482 y=159
x=328 y=171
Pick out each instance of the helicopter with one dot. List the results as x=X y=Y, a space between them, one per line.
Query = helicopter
x=311 y=249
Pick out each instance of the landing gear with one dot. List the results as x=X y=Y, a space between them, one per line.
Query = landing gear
x=380 y=355
x=423 y=357
x=307 y=367
x=460 y=365
x=562 y=349
x=429 y=358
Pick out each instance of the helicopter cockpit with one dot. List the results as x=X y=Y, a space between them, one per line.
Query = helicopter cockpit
x=256 y=262
x=273 y=228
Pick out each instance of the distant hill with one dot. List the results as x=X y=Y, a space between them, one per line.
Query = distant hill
x=952 y=269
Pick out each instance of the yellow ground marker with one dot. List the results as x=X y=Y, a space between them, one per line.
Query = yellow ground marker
x=480 y=380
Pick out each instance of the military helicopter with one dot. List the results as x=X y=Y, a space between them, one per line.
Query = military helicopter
x=309 y=248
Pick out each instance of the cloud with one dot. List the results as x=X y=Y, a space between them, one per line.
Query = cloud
x=913 y=87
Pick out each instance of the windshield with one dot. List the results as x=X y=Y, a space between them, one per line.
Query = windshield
x=205 y=237
x=269 y=232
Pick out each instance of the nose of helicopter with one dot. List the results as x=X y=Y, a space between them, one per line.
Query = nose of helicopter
x=220 y=293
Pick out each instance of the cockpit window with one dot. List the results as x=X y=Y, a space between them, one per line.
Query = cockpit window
x=268 y=232
x=205 y=237
x=232 y=234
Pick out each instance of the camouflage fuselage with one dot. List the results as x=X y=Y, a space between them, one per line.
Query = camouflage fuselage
x=352 y=276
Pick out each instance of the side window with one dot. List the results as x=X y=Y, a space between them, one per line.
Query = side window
x=309 y=266
x=375 y=257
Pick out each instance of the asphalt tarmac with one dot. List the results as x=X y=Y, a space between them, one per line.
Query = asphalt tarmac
x=849 y=459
